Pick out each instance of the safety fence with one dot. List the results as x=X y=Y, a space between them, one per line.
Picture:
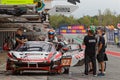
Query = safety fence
x=113 y=36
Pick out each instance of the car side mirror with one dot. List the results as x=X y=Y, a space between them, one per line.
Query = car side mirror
x=80 y=49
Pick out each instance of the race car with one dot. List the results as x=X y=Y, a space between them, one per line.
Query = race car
x=40 y=55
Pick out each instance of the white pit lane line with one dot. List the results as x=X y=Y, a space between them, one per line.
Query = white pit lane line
x=2 y=70
x=3 y=65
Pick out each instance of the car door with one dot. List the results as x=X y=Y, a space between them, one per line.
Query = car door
x=75 y=53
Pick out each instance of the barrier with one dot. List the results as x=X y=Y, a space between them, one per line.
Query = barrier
x=113 y=36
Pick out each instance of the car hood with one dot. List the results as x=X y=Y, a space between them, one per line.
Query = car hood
x=31 y=56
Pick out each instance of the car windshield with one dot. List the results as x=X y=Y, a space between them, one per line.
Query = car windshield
x=35 y=47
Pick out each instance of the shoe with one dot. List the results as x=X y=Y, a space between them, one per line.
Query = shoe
x=100 y=70
x=91 y=70
x=84 y=74
x=95 y=75
x=101 y=74
x=104 y=72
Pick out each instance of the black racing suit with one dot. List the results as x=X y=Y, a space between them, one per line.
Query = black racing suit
x=90 y=53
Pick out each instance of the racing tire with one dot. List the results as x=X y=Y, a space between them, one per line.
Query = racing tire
x=66 y=71
x=51 y=73
x=15 y=72
x=8 y=64
x=63 y=71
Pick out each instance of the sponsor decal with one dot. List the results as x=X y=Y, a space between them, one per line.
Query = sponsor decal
x=58 y=55
x=66 y=61
x=80 y=55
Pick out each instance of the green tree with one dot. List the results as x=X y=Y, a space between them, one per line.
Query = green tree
x=86 y=20
x=58 y=20
x=103 y=19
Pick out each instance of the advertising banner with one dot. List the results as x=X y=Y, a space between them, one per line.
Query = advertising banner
x=74 y=29
x=16 y=2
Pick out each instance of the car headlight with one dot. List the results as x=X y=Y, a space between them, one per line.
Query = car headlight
x=12 y=57
x=45 y=61
x=57 y=59
x=58 y=62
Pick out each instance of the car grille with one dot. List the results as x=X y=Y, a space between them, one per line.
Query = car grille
x=25 y=64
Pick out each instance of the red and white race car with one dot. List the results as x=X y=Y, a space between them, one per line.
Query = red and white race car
x=39 y=55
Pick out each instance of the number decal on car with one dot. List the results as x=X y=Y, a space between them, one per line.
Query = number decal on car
x=66 y=62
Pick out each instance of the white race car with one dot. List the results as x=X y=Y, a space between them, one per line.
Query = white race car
x=39 y=55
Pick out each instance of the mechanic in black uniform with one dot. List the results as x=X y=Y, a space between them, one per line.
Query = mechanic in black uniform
x=90 y=51
x=101 y=52
x=20 y=38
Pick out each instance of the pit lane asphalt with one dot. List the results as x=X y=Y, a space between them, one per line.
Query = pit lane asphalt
x=112 y=73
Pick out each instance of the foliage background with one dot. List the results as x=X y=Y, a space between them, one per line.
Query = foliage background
x=102 y=19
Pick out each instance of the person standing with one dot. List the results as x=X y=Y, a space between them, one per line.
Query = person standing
x=90 y=51
x=105 y=55
x=6 y=44
x=19 y=38
x=100 y=51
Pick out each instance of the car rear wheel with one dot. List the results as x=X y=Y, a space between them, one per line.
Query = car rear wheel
x=66 y=71
x=52 y=73
x=63 y=70
x=8 y=65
